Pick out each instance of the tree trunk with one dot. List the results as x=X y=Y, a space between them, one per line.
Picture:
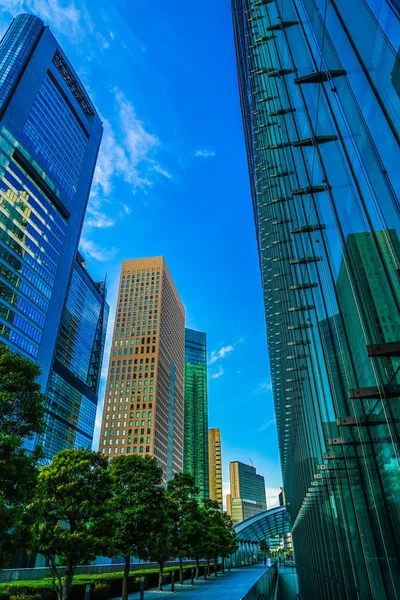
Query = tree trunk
x=216 y=566
x=223 y=565
x=160 y=576
x=197 y=568
x=208 y=567
x=125 y=580
x=181 y=570
x=66 y=588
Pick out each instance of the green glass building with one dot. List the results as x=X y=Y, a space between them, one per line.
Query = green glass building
x=196 y=411
x=320 y=100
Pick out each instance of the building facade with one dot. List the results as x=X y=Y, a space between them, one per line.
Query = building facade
x=49 y=140
x=75 y=376
x=247 y=492
x=215 y=465
x=195 y=452
x=321 y=111
x=144 y=402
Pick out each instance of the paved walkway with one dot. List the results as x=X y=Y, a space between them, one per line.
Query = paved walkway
x=230 y=586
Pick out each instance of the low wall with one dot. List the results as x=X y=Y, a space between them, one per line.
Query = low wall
x=265 y=586
x=43 y=572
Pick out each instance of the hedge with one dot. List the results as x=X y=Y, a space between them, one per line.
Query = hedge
x=103 y=585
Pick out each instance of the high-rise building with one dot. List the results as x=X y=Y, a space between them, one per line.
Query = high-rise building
x=281 y=497
x=247 y=492
x=75 y=375
x=143 y=406
x=215 y=465
x=49 y=140
x=195 y=449
x=321 y=113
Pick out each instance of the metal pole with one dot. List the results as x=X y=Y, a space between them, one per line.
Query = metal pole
x=192 y=576
x=141 y=588
x=87 y=592
x=173 y=581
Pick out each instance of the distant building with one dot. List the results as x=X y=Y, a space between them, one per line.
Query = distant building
x=49 y=140
x=75 y=375
x=247 y=497
x=281 y=497
x=143 y=406
x=195 y=450
x=215 y=465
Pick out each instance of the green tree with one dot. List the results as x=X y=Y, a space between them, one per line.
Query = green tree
x=136 y=493
x=70 y=513
x=228 y=543
x=159 y=544
x=181 y=491
x=21 y=418
x=212 y=526
x=264 y=548
x=220 y=537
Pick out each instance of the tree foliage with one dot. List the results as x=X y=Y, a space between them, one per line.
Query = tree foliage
x=181 y=491
x=22 y=409
x=70 y=513
x=136 y=497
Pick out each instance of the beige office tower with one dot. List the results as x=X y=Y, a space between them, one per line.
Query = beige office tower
x=143 y=406
x=215 y=465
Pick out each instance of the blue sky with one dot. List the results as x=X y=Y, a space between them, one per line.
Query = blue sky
x=172 y=179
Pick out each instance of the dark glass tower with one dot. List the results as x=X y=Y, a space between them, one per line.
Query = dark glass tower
x=75 y=376
x=321 y=111
x=195 y=453
x=49 y=139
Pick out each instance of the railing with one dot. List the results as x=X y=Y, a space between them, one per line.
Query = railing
x=264 y=588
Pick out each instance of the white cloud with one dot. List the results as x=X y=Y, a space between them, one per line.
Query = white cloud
x=221 y=353
x=90 y=248
x=267 y=425
x=265 y=386
x=218 y=374
x=126 y=154
x=63 y=17
x=127 y=209
x=205 y=153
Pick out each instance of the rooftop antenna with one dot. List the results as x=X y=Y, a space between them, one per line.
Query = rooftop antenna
x=251 y=463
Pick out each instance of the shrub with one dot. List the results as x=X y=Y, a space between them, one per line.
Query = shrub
x=101 y=591
x=24 y=596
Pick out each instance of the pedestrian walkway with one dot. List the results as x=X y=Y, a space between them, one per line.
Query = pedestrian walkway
x=230 y=586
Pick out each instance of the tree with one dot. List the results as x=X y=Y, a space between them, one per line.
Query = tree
x=136 y=492
x=70 y=513
x=220 y=534
x=228 y=543
x=197 y=530
x=159 y=544
x=181 y=492
x=22 y=409
x=264 y=548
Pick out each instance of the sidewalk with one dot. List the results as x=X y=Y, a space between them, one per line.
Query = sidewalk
x=230 y=586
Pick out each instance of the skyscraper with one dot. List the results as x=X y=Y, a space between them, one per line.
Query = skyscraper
x=195 y=459
x=247 y=492
x=143 y=406
x=321 y=114
x=215 y=465
x=49 y=139
x=75 y=375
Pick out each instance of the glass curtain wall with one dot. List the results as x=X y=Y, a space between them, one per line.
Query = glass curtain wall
x=195 y=450
x=319 y=87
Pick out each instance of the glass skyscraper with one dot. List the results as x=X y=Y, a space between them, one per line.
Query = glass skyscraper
x=49 y=139
x=75 y=376
x=195 y=448
x=247 y=492
x=320 y=93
